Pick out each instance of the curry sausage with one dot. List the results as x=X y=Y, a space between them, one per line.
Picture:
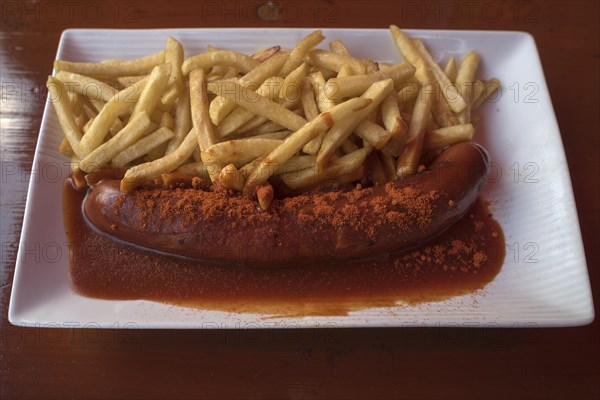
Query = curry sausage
x=316 y=227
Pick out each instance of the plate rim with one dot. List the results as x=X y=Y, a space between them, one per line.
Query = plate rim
x=14 y=317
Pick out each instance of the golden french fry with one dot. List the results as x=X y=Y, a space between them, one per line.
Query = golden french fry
x=221 y=107
x=489 y=88
x=284 y=152
x=194 y=169
x=478 y=87
x=298 y=139
x=167 y=121
x=344 y=71
x=323 y=104
x=225 y=58
x=220 y=72
x=95 y=107
x=119 y=104
x=265 y=54
x=174 y=56
x=450 y=135
x=113 y=69
x=265 y=195
x=231 y=178
x=259 y=124
x=408 y=50
x=390 y=113
x=238 y=117
x=466 y=74
x=464 y=82
x=81 y=109
x=450 y=69
x=247 y=169
x=393 y=122
x=142 y=146
x=339 y=47
x=336 y=168
x=257 y=104
x=300 y=51
x=354 y=85
x=374 y=134
x=441 y=112
x=408 y=93
x=134 y=130
x=408 y=161
x=456 y=102
x=150 y=96
x=290 y=91
x=78 y=177
x=205 y=130
x=343 y=128
x=239 y=152
x=65 y=148
x=168 y=99
x=308 y=100
x=333 y=61
x=183 y=120
x=87 y=86
x=61 y=103
x=137 y=175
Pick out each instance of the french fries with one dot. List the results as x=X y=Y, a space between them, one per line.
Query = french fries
x=298 y=139
x=239 y=151
x=87 y=86
x=257 y=104
x=137 y=175
x=224 y=58
x=204 y=129
x=71 y=130
x=442 y=137
x=238 y=117
x=355 y=85
x=142 y=146
x=455 y=100
x=408 y=161
x=377 y=92
x=220 y=107
x=113 y=68
x=297 y=117
x=297 y=55
x=121 y=103
x=102 y=155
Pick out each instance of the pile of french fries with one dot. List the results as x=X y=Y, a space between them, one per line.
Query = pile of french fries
x=298 y=117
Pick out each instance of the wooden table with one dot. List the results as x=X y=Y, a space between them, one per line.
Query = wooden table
x=365 y=363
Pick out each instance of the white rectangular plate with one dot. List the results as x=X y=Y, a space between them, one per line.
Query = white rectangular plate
x=544 y=279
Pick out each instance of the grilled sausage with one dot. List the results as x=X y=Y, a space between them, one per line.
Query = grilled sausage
x=316 y=227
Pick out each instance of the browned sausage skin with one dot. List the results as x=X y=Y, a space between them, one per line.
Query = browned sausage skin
x=314 y=227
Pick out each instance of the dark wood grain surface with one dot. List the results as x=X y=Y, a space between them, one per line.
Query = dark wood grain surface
x=348 y=363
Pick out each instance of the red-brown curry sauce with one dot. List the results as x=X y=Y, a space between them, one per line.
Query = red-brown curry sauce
x=461 y=260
